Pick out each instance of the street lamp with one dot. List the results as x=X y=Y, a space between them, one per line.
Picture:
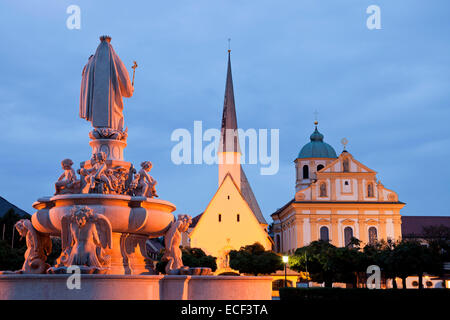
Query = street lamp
x=285 y=260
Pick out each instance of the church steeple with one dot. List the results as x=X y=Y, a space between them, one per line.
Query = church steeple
x=229 y=152
x=229 y=141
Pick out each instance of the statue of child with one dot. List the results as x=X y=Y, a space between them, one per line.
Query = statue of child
x=146 y=182
x=67 y=180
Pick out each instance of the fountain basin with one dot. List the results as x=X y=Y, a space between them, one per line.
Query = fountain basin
x=127 y=214
x=135 y=287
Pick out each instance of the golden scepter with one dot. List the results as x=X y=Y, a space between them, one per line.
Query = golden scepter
x=134 y=69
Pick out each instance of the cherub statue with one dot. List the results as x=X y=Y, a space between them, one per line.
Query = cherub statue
x=67 y=182
x=39 y=246
x=146 y=184
x=172 y=240
x=84 y=234
x=96 y=179
x=134 y=190
x=121 y=176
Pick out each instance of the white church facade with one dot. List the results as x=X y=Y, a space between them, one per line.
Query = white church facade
x=233 y=218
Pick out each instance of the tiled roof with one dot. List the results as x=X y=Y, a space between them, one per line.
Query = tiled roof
x=250 y=198
x=413 y=225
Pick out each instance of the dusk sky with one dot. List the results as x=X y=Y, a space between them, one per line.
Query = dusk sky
x=386 y=91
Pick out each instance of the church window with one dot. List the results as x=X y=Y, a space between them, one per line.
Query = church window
x=323 y=190
x=373 y=237
x=348 y=235
x=228 y=197
x=324 y=234
x=220 y=217
x=346 y=183
x=320 y=167
x=305 y=172
x=278 y=243
x=345 y=165
x=238 y=217
x=370 y=192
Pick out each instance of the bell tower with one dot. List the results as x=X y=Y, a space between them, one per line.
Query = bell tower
x=229 y=153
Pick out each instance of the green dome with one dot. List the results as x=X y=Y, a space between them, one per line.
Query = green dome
x=317 y=148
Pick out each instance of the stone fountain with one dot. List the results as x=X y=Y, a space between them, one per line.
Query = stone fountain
x=106 y=211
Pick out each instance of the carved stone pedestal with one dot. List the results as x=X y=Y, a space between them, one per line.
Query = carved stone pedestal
x=129 y=255
x=112 y=148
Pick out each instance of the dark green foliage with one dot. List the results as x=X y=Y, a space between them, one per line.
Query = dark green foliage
x=196 y=258
x=192 y=257
x=327 y=263
x=253 y=259
x=438 y=239
x=11 y=258
x=8 y=221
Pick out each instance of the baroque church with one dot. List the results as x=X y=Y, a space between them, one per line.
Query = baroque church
x=232 y=218
x=336 y=198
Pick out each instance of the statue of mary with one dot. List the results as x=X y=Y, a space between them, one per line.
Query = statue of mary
x=105 y=81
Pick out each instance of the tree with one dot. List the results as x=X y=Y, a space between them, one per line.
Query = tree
x=413 y=258
x=381 y=254
x=197 y=258
x=318 y=259
x=192 y=257
x=253 y=259
x=438 y=240
x=11 y=258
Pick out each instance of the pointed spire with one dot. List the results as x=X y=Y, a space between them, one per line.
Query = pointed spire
x=229 y=141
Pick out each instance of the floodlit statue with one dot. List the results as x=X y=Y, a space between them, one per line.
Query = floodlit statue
x=67 y=182
x=97 y=181
x=105 y=81
x=146 y=183
x=39 y=246
x=84 y=236
x=172 y=240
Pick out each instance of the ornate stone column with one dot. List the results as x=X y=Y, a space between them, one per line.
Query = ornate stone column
x=129 y=255
x=112 y=148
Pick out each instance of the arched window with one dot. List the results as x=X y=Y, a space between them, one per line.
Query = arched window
x=323 y=190
x=324 y=235
x=278 y=243
x=320 y=167
x=370 y=193
x=348 y=235
x=345 y=165
x=305 y=172
x=220 y=217
x=373 y=236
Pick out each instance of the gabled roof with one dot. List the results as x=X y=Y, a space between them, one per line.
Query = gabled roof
x=349 y=155
x=260 y=219
x=247 y=193
x=249 y=197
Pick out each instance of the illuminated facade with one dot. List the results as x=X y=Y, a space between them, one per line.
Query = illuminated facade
x=336 y=198
x=233 y=218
